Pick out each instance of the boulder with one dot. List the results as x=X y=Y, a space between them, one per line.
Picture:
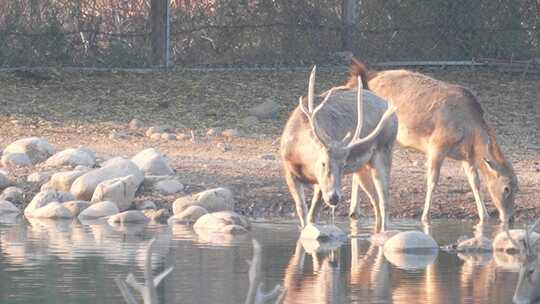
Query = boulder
x=99 y=210
x=13 y=194
x=119 y=190
x=62 y=181
x=76 y=207
x=39 y=178
x=503 y=243
x=267 y=109
x=7 y=207
x=16 y=160
x=53 y=210
x=37 y=149
x=411 y=241
x=188 y=216
x=312 y=246
x=143 y=205
x=84 y=186
x=213 y=200
x=322 y=233
x=81 y=156
x=168 y=187
x=4 y=181
x=158 y=130
x=156 y=215
x=151 y=162
x=476 y=245
x=409 y=260
x=217 y=222
x=130 y=216
x=43 y=198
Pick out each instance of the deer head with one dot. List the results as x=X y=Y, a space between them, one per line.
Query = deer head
x=333 y=153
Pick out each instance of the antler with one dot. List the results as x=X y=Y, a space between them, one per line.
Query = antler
x=527 y=246
x=356 y=140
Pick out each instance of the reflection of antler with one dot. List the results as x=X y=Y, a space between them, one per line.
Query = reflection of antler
x=526 y=247
x=255 y=294
x=148 y=290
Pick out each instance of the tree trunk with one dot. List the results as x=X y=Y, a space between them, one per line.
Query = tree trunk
x=348 y=17
x=159 y=24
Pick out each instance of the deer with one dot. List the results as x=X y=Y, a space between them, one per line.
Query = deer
x=321 y=144
x=444 y=120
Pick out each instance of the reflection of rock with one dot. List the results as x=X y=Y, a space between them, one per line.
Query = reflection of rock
x=218 y=222
x=130 y=216
x=8 y=218
x=506 y=261
x=314 y=246
x=476 y=258
x=406 y=260
x=503 y=243
x=322 y=233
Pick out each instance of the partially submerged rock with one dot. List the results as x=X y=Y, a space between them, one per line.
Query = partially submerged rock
x=217 y=222
x=130 y=216
x=36 y=149
x=43 y=198
x=151 y=162
x=213 y=200
x=76 y=207
x=411 y=250
x=119 y=190
x=99 y=210
x=322 y=233
x=53 y=210
x=478 y=244
x=188 y=216
x=13 y=194
x=81 y=156
x=8 y=207
x=503 y=243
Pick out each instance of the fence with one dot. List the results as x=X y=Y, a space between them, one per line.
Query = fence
x=134 y=33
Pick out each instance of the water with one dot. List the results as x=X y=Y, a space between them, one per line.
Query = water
x=67 y=262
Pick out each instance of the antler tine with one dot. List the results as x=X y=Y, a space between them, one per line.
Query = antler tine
x=357 y=141
x=513 y=241
x=328 y=94
x=528 y=232
x=359 y=109
x=311 y=89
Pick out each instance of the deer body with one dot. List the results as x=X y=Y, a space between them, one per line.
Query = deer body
x=444 y=120
x=314 y=153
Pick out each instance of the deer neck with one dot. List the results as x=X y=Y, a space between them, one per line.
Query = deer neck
x=480 y=149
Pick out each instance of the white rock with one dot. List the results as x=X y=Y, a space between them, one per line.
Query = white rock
x=7 y=207
x=479 y=244
x=217 y=222
x=53 y=210
x=99 y=210
x=76 y=207
x=62 y=181
x=39 y=178
x=84 y=186
x=43 y=198
x=411 y=261
x=503 y=243
x=267 y=109
x=4 y=181
x=213 y=200
x=322 y=233
x=16 y=160
x=168 y=187
x=410 y=241
x=130 y=216
x=13 y=194
x=157 y=130
x=188 y=216
x=119 y=190
x=37 y=149
x=145 y=205
x=72 y=157
x=151 y=162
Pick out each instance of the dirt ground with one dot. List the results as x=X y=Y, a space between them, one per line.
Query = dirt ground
x=71 y=109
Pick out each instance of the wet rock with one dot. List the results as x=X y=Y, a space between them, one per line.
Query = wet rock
x=168 y=187
x=151 y=162
x=217 y=222
x=16 y=160
x=213 y=200
x=142 y=205
x=76 y=207
x=81 y=156
x=188 y=216
x=168 y=136
x=503 y=243
x=36 y=149
x=43 y=198
x=230 y=133
x=411 y=261
x=53 y=210
x=62 y=181
x=156 y=215
x=7 y=207
x=13 y=194
x=410 y=241
x=119 y=190
x=4 y=181
x=130 y=216
x=83 y=187
x=319 y=246
x=99 y=210
x=223 y=146
x=322 y=233
x=135 y=124
x=479 y=244
x=39 y=178
x=267 y=109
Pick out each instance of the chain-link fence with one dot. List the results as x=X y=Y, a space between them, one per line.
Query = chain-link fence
x=118 y=33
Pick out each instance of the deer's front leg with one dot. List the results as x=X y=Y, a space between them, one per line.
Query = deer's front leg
x=296 y=188
x=315 y=205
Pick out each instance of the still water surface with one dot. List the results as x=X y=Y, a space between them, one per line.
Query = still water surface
x=43 y=261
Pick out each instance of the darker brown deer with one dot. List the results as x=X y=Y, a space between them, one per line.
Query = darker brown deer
x=445 y=120
x=319 y=145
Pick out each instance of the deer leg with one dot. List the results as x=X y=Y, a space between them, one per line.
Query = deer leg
x=315 y=206
x=354 y=211
x=474 y=181
x=297 y=191
x=364 y=180
x=380 y=174
x=434 y=162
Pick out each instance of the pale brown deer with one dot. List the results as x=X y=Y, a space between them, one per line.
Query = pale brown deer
x=319 y=145
x=445 y=120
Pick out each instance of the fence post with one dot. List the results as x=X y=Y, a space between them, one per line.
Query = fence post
x=159 y=23
x=348 y=18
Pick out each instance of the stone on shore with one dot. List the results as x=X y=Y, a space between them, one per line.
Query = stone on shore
x=213 y=200
x=218 y=222
x=151 y=162
x=99 y=210
x=188 y=216
x=81 y=156
x=36 y=149
x=119 y=190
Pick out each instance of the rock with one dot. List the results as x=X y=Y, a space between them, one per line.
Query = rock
x=37 y=149
x=409 y=260
x=7 y=207
x=53 y=210
x=233 y=229
x=112 y=161
x=143 y=205
x=223 y=146
x=156 y=215
x=503 y=243
x=267 y=156
x=131 y=216
x=267 y=109
x=213 y=200
x=119 y=190
x=320 y=246
x=135 y=124
x=73 y=157
x=76 y=207
x=151 y=162
x=213 y=131
x=250 y=121
x=230 y=133
x=62 y=181
x=99 y=210
x=13 y=194
x=322 y=233
x=150 y=181
x=188 y=216
x=410 y=242
x=4 y=181
x=479 y=244
x=158 y=130
x=168 y=187
x=168 y=136
x=83 y=187
x=217 y=222
x=16 y=160
x=39 y=178
x=43 y=198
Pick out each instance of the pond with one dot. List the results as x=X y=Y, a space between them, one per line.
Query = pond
x=67 y=262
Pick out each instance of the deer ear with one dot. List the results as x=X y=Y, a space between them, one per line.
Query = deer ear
x=490 y=165
x=347 y=137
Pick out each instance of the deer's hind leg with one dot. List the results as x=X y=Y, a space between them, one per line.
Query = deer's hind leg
x=296 y=188
x=362 y=179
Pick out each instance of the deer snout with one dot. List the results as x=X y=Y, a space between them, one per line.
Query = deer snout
x=334 y=198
